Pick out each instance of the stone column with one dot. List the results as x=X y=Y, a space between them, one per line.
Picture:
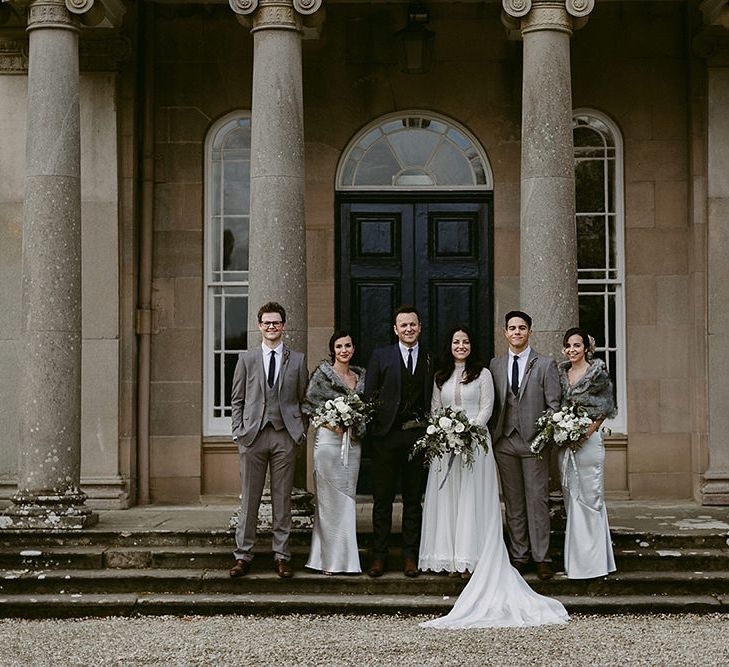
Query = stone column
x=713 y=45
x=277 y=266
x=48 y=493
x=548 y=258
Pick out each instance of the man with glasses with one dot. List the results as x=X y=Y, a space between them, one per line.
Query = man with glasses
x=269 y=385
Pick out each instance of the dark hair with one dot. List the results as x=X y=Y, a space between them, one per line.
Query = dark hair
x=405 y=309
x=587 y=341
x=517 y=313
x=272 y=307
x=339 y=333
x=474 y=364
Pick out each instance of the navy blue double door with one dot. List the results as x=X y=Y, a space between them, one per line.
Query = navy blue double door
x=433 y=252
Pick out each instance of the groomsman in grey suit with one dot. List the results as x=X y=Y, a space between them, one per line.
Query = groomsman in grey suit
x=526 y=384
x=269 y=385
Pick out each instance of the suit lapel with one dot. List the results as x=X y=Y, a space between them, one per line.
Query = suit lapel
x=505 y=375
x=396 y=361
x=261 y=366
x=284 y=364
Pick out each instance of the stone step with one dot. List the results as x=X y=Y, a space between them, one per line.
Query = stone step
x=83 y=605
x=219 y=557
x=23 y=539
x=259 y=582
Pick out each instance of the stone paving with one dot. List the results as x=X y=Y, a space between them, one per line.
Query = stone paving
x=670 y=640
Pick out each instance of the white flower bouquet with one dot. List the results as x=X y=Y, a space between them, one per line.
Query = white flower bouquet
x=345 y=412
x=449 y=431
x=565 y=428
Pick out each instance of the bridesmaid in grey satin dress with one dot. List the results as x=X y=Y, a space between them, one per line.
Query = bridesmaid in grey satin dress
x=588 y=550
x=334 y=537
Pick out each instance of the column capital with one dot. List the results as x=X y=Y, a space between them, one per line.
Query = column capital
x=274 y=14
x=557 y=15
x=70 y=13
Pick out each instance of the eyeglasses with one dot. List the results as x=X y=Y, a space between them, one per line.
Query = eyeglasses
x=270 y=325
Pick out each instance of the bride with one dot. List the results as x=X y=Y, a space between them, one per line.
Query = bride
x=496 y=595
x=453 y=529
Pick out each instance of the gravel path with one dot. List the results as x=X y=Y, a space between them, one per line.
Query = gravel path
x=665 y=640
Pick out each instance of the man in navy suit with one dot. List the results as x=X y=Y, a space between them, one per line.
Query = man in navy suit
x=399 y=379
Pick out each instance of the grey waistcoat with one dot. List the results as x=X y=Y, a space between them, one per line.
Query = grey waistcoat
x=272 y=413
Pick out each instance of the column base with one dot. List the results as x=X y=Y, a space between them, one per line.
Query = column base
x=48 y=512
x=715 y=490
x=302 y=512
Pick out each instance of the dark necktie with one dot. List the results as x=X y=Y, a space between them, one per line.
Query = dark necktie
x=272 y=368
x=410 y=361
x=515 y=376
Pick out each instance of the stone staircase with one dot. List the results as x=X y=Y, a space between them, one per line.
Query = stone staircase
x=99 y=573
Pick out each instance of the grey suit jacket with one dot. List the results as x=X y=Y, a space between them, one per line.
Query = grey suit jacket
x=540 y=389
x=249 y=394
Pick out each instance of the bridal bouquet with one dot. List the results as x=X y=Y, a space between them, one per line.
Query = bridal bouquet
x=347 y=411
x=564 y=428
x=449 y=431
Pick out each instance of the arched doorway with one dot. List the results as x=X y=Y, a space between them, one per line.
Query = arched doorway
x=414 y=225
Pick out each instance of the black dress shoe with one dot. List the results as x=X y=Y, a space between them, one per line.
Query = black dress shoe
x=377 y=568
x=519 y=566
x=240 y=569
x=282 y=568
x=544 y=571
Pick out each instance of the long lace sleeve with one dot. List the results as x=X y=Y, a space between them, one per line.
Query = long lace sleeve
x=436 y=402
x=486 y=398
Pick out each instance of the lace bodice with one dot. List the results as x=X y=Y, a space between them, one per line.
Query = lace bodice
x=476 y=398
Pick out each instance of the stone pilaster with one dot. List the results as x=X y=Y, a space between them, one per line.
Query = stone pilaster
x=713 y=45
x=548 y=274
x=48 y=493
x=277 y=227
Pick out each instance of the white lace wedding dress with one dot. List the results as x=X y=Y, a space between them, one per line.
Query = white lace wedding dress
x=496 y=595
x=454 y=528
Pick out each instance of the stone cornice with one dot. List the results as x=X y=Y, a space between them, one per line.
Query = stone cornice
x=716 y=12
x=97 y=54
x=712 y=44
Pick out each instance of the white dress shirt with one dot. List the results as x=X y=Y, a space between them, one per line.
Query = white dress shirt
x=521 y=362
x=267 y=359
x=404 y=352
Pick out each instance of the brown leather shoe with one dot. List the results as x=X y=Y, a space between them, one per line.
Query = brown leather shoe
x=240 y=569
x=282 y=568
x=377 y=568
x=410 y=568
x=544 y=571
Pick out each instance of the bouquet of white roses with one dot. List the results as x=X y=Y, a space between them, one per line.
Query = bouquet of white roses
x=565 y=428
x=345 y=412
x=449 y=431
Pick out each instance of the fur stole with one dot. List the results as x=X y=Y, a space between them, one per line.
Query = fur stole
x=593 y=391
x=326 y=384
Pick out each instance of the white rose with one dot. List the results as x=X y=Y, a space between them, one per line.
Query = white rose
x=560 y=437
x=556 y=417
x=460 y=428
x=344 y=408
x=430 y=430
x=445 y=422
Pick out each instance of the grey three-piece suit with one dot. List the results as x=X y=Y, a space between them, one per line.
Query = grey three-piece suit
x=268 y=424
x=524 y=478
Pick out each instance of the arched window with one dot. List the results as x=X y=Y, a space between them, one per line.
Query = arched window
x=412 y=150
x=600 y=243
x=227 y=213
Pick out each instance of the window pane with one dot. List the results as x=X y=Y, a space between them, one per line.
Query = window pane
x=590 y=186
x=450 y=166
x=235 y=244
x=585 y=136
x=414 y=147
x=236 y=322
x=590 y=242
x=377 y=167
x=236 y=196
x=592 y=316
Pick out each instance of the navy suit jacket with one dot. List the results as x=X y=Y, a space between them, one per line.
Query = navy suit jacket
x=383 y=385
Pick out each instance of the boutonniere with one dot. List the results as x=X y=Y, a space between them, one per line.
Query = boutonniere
x=286 y=354
x=530 y=365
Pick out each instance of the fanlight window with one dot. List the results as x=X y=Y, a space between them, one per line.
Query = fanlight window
x=414 y=150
